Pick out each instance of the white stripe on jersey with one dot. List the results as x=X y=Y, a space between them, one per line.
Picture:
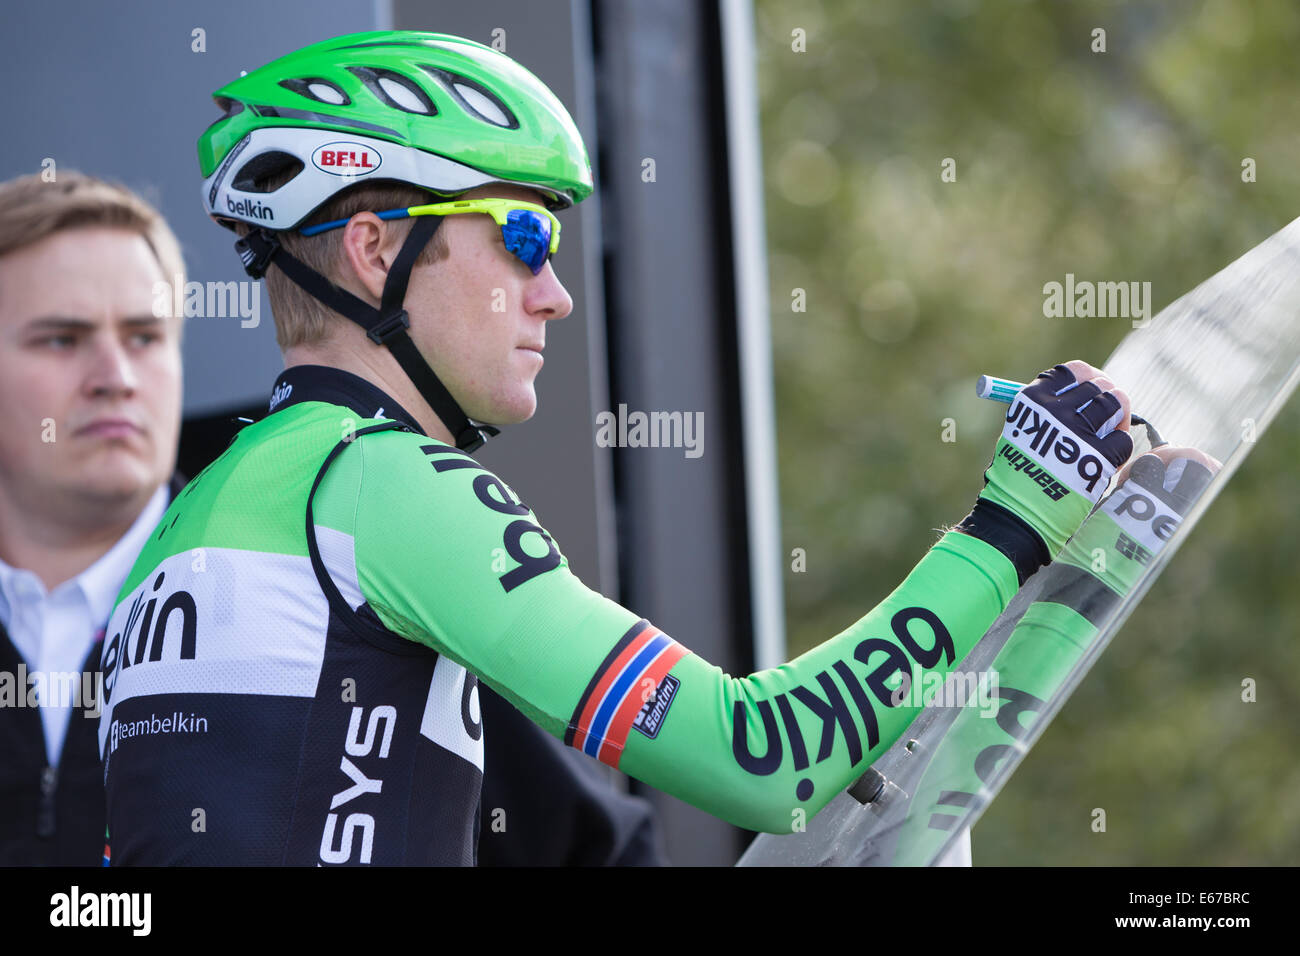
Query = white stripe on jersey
x=260 y=628
x=443 y=722
x=338 y=551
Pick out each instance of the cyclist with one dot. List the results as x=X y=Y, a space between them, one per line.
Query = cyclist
x=291 y=669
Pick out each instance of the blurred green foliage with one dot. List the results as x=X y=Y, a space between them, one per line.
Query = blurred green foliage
x=1117 y=166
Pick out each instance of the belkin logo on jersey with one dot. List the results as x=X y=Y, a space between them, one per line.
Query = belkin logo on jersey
x=833 y=702
x=279 y=395
x=147 y=624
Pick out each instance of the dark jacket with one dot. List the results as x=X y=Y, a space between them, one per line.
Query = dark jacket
x=49 y=816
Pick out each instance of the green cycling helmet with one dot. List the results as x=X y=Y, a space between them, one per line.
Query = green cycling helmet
x=436 y=111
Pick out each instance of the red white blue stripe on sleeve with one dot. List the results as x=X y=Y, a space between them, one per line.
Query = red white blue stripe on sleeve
x=625 y=680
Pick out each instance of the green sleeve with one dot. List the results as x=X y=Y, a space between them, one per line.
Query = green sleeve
x=448 y=556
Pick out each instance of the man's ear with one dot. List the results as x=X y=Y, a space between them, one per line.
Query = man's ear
x=369 y=249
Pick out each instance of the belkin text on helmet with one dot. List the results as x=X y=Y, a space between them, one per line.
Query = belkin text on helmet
x=250 y=208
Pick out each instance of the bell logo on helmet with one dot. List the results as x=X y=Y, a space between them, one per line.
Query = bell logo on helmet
x=346 y=159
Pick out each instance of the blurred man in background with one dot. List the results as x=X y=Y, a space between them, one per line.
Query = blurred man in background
x=90 y=383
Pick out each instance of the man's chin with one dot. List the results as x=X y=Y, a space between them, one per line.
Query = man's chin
x=112 y=481
x=514 y=412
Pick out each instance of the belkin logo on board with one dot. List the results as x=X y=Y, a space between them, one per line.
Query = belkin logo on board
x=346 y=159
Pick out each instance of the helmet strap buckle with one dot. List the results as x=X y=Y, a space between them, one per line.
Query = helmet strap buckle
x=256 y=250
x=472 y=437
x=386 y=328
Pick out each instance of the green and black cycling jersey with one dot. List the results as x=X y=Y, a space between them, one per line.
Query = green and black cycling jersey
x=290 y=671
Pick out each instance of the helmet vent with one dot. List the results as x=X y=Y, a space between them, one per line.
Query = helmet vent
x=328 y=93
x=475 y=98
x=267 y=172
x=307 y=116
x=314 y=88
x=396 y=91
x=483 y=106
x=402 y=95
x=228 y=109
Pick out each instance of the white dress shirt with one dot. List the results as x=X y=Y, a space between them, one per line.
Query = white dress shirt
x=54 y=631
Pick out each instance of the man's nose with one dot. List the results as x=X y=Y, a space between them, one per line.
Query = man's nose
x=111 y=369
x=546 y=295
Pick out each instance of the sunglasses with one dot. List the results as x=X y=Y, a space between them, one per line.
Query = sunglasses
x=530 y=231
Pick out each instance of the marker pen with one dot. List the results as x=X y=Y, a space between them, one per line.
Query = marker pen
x=1004 y=390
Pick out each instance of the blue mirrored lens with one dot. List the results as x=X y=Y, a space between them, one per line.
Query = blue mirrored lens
x=528 y=236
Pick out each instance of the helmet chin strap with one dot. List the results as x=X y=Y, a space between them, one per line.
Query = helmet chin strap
x=386 y=325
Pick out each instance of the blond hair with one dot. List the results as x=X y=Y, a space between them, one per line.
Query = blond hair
x=300 y=318
x=32 y=209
